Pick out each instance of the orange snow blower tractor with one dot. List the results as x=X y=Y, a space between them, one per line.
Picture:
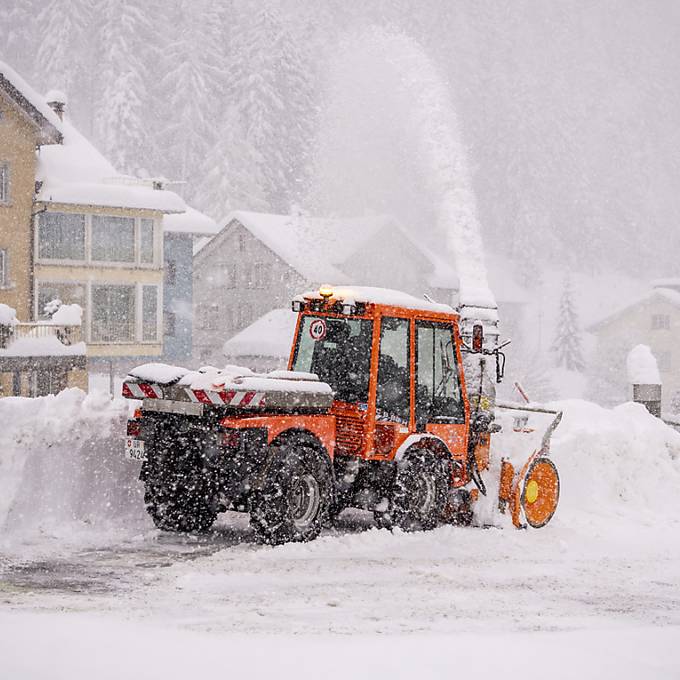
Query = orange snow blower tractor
x=373 y=412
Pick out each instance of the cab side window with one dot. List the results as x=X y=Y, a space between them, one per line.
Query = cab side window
x=438 y=394
x=393 y=397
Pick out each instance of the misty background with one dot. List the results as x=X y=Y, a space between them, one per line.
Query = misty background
x=568 y=113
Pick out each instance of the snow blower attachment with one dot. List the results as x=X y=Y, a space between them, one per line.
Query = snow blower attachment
x=383 y=408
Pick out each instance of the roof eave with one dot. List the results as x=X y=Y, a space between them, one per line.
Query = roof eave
x=48 y=133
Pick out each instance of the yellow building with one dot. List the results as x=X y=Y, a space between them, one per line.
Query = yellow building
x=72 y=228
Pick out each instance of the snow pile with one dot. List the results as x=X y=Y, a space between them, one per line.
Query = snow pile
x=62 y=464
x=8 y=315
x=68 y=315
x=642 y=367
x=620 y=462
x=163 y=374
x=241 y=378
x=35 y=345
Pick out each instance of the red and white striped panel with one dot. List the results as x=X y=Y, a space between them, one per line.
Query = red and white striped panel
x=230 y=398
x=133 y=390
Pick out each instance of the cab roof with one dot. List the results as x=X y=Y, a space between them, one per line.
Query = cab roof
x=378 y=296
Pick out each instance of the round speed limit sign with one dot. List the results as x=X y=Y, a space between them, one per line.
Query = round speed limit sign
x=317 y=329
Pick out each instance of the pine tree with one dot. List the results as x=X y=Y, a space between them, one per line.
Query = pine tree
x=229 y=176
x=125 y=36
x=270 y=83
x=190 y=90
x=64 y=26
x=567 y=343
x=19 y=29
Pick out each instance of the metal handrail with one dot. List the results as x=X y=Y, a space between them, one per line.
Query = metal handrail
x=66 y=334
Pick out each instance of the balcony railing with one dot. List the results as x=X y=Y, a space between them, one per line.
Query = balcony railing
x=66 y=335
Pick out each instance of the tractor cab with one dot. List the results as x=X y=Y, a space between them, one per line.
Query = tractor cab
x=394 y=364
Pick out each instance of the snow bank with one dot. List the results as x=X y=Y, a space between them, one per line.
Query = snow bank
x=642 y=367
x=613 y=463
x=616 y=463
x=62 y=464
x=8 y=315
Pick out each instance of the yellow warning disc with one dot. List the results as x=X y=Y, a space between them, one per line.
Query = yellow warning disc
x=531 y=491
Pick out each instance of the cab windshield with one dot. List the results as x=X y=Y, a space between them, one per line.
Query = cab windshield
x=338 y=350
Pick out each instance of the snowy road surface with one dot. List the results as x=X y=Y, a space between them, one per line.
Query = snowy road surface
x=596 y=594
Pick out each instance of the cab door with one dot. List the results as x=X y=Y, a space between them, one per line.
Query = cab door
x=393 y=386
x=439 y=402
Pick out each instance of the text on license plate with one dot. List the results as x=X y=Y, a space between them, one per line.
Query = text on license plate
x=134 y=449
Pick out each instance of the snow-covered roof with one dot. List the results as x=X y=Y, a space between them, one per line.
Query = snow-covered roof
x=74 y=172
x=317 y=247
x=382 y=296
x=32 y=103
x=71 y=169
x=190 y=222
x=269 y=336
x=665 y=294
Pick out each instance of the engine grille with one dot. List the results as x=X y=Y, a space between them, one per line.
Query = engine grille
x=349 y=434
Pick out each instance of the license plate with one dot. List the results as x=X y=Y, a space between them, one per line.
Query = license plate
x=134 y=449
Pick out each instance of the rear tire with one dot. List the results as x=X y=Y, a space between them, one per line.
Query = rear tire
x=296 y=497
x=419 y=494
x=180 y=505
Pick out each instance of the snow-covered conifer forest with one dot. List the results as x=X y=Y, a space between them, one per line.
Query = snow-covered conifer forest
x=173 y=173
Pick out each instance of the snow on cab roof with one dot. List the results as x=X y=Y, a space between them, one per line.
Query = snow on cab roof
x=382 y=296
x=269 y=336
x=190 y=222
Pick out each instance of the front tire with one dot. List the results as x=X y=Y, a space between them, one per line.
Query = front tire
x=295 y=500
x=419 y=494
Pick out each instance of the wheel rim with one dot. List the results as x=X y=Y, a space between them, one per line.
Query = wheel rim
x=305 y=499
x=541 y=492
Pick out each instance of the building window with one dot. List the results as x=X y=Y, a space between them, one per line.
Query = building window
x=170 y=273
x=170 y=324
x=61 y=236
x=260 y=278
x=146 y=241
x=247 y=275
x=69 y=293
x=113 y=313
x=4 y=183
x=113 y=238
x=149 y=313
x=661 y=322
x=241 y=243
x=208 y=316
x=4 y=269
x=664 y=361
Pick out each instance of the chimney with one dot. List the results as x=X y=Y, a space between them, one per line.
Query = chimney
x=56 y=100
